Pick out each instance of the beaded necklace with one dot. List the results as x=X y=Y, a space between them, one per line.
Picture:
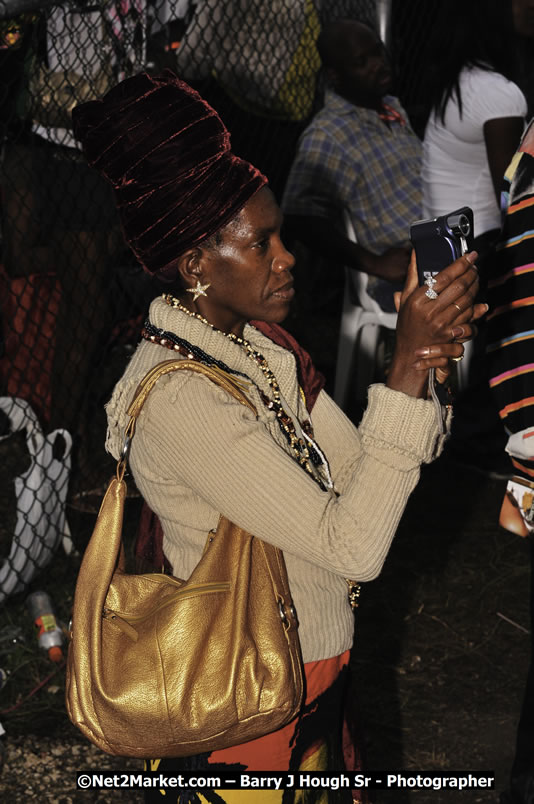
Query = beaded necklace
x=298 y=435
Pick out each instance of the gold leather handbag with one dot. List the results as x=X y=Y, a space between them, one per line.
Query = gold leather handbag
x=159 y=666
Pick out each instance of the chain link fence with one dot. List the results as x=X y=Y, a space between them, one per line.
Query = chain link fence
x=72 y=298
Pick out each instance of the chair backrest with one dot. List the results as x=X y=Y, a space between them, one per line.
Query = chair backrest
x=356 y=286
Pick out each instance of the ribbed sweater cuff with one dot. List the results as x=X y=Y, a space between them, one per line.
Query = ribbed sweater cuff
x=400 y=422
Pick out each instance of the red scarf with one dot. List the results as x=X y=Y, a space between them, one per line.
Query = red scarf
x=391 y=115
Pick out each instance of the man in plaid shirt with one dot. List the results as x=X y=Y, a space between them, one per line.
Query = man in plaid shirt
x=359 y=157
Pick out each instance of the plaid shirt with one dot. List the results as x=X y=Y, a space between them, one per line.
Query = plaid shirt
x=350 y=159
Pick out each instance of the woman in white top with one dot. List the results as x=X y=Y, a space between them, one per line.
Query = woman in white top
x=477 y=113
x=475 y=125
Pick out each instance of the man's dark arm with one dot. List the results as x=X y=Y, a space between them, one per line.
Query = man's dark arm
x=324 y=238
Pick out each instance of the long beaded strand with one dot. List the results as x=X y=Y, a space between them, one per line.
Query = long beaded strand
x=306 y=452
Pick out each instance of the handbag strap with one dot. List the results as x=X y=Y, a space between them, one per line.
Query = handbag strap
x=215 y=374
x=116 y=493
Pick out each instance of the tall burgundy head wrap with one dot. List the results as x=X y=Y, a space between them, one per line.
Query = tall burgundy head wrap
x=166 y=153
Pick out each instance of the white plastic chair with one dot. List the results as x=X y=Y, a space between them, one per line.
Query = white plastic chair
x=361 y=320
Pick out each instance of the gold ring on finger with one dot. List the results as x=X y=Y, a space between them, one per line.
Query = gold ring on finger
x=458 y=359
x=457 y=307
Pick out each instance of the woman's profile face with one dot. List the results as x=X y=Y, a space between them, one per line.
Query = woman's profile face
x=249 y=271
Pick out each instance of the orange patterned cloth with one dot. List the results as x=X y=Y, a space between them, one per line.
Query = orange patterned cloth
x=320 y=739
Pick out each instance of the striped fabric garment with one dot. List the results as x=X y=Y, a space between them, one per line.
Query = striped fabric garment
x=511 y=299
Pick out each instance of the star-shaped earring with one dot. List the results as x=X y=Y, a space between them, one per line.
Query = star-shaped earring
x=198 y=290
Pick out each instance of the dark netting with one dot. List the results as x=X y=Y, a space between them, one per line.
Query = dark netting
x=72 y=297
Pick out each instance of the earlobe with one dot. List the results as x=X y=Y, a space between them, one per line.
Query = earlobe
x=190 y=266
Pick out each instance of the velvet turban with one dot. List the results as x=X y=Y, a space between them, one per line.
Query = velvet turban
x=166 y=153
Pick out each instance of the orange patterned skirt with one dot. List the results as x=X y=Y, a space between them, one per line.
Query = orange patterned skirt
x=319 y=739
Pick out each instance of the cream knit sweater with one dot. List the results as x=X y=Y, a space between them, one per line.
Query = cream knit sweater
x=198 y=453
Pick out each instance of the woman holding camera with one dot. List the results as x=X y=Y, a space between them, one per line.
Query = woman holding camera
x=297 y=474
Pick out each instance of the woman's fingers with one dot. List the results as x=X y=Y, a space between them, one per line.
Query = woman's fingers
x=437 y=355
x=479 y=310
x=459 y=295
x=432 y=362
x=442 y=374
x=456 y=285
x=444 y=323
x=456 y=270
x=463 y=328
x=412 y=279
x=455 y=309
x=459 y=330
x=462 y=333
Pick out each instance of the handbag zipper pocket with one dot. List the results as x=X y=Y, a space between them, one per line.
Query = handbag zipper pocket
x=124 y=621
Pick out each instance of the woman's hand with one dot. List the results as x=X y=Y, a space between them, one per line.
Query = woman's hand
x=430 y=332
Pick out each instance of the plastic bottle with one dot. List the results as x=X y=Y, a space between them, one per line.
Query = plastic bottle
x=49 y=634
